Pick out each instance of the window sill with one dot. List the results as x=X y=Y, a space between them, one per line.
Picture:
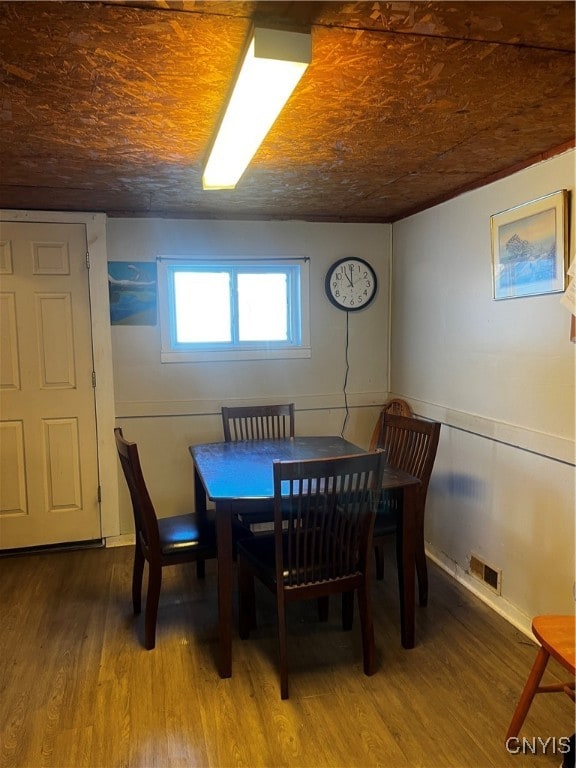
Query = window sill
x=232 y=355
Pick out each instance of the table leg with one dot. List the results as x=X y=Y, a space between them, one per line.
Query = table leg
x=225 y=566
x=199 y=494
x=408 y=565
x=224 y=540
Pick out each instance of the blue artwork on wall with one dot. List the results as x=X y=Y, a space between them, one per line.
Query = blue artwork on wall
x=132 y=288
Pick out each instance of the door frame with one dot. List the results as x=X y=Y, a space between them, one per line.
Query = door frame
x=102 y=349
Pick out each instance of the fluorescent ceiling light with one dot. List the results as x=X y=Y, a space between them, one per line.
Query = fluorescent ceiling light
x=274 y=63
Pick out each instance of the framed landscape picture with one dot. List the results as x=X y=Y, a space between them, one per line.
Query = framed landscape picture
x=529 y=247
x=132 y=290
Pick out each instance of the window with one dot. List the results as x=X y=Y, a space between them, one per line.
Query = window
x=233 y=309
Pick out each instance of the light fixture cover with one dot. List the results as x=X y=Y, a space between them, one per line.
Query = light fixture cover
x=275 y=61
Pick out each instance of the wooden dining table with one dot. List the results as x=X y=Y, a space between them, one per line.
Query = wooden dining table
x=239 y=472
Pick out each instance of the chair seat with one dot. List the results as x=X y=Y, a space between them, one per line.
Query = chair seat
x=557 y=635
x=260 y=551
x=184 y=533
x=254 y=511
x=257 y=511
x=254 y=517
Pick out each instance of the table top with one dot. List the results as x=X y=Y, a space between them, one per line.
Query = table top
x=243 y=470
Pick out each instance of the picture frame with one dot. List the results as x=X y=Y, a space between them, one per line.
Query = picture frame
x=530 y=247
x=132 y=287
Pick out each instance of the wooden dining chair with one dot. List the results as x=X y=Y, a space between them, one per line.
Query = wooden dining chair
x=395 y=407
x=256 y=422
x=324 y=549
x=556 y=635
x=410 y=445
x=161 y=541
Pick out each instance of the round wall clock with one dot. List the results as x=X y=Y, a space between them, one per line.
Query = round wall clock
x=351 y=284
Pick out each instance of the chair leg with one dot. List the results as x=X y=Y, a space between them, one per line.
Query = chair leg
x=137 y=573
x=323 y=608
x=528 y=693
x=246 y=599
x=421 y=565
x=422 y=573
x=152 y=599
x=347 y=610
x=379 y=554
x=200 y=569
x=367 y=627
x=282 y=646
x=400 y=570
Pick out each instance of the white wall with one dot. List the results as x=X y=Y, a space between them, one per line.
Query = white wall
x=166 y=407
x=500 y=376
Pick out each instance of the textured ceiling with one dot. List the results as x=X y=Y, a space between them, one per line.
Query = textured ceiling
x=111 y=106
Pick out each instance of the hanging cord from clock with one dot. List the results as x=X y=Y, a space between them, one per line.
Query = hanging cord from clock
x=347 y=370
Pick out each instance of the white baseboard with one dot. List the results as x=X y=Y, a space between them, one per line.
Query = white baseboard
x=502 y=607
x=123 y=540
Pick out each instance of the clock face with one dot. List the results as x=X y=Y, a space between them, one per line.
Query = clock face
x=351 y=284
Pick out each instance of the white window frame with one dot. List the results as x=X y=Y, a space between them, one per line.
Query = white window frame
x=181 y=353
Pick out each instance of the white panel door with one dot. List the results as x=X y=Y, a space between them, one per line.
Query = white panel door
x=48 y=448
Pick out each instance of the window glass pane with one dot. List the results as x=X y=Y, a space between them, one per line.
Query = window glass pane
x=202 y=307
x=262 y=307
x=233 y=309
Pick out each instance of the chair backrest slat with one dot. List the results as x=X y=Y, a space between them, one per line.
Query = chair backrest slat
x=327 y=507
x=258 y=422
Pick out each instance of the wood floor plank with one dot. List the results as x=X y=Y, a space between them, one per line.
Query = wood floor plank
x=78 y=689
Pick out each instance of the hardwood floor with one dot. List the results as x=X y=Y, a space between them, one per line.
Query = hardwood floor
x=78 y=689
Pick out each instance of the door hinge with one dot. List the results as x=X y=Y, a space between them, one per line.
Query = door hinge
x=99 y=494
x=87 y=260
x=94 y=379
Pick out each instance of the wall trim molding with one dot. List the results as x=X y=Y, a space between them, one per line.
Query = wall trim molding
x=122 y=540
x=319 y=402
x=562 y=449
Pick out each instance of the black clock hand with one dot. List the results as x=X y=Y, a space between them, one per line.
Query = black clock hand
x=349 y=278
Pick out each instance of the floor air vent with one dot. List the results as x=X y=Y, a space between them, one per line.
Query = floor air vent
x=492 y=577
